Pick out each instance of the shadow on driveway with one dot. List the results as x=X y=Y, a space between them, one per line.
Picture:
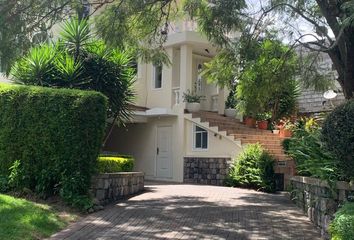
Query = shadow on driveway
x=181 y=211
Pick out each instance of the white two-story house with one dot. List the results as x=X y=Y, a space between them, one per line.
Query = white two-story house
x=170 y=144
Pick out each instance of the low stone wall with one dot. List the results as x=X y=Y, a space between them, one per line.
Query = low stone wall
x=109 y=187
x=318 y=201
x=211 y=171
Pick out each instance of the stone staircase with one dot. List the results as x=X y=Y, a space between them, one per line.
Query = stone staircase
x=284 y=165
x=233 y=127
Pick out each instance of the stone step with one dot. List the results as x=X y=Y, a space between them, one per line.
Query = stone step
x=277 y=141
x=259 y=137
x=233 y=127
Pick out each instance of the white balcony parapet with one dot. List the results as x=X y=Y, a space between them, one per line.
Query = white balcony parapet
x=184 y=26
x=177 y=94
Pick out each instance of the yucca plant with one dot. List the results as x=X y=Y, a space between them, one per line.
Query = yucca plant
x=76 y=36
x=79 y=60
x=37 y=67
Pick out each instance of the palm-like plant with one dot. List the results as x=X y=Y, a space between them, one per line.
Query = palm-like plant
x=79 y=60
x=76 y=36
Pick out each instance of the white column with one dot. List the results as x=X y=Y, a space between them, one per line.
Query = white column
x=186 y=67
x=223 y=93
x=186 y=62
x=167 y=76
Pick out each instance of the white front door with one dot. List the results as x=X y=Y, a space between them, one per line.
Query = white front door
x=164 y=152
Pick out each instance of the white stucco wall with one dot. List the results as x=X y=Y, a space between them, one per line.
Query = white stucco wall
x=139 y=140
x=218 y=146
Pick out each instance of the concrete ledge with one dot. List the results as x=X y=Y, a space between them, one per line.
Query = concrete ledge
x=317 y=182
x=109 y=187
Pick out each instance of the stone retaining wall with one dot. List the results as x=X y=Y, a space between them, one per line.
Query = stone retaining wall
x=318 y=201
x=211 y=171
x=109 y=187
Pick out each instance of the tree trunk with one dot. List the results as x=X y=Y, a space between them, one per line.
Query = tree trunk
x=108 y=134
x=348 y=84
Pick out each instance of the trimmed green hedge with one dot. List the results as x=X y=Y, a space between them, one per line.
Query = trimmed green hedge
x=55 y=134
x=338 y=136
x=111 y=164
x=342 y=227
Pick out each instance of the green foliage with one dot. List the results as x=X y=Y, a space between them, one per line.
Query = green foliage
x=231 y=101
x=22 y=219
x=342 y=227
x=191 y=97
x=272 y=73
x=218 y=18
x=16 y=176
x=309 y=153
x=55 y=134
x=4 y=184
x=111 y=164
x=338 y=136
x=222 y=68
x=79 y=60
x=253 y=169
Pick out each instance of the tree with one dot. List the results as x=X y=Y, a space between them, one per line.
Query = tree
x=23 y=24
x=79 y=60
x=134 y=21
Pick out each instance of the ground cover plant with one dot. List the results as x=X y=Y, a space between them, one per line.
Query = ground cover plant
x=24 y=220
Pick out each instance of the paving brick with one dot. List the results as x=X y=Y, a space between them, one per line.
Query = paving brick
x=184 y=211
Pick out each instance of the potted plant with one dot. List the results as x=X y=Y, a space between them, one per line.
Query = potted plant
x=192 y=100
x=275 y=128
x=247 y=111
x=286 y=128
x=262 y=120
x=230 y=105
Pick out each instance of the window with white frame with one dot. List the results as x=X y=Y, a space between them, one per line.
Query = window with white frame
x=157 y=78
x=200 y=136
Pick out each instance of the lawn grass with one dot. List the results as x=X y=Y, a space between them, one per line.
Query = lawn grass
x=22 y=219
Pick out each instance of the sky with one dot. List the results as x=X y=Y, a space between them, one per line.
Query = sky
x=254 y=7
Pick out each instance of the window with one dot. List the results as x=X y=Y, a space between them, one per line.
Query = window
x=200 y=138
x=157 y=76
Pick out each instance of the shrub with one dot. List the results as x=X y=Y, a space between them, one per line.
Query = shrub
x=310 y=156
x=338 y=136
x=342 y=227
x=78 y=59
x=55 y=134
x=4 y=184
x=253 y=169
x=112 y=164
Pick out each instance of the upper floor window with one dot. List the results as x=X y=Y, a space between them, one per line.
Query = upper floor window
x=200 y=136
x=157 y=77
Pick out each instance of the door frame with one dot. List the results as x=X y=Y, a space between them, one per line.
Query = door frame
x=172 y=149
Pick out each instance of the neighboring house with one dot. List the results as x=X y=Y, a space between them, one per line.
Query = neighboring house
x=170 y=144
x=312 y=102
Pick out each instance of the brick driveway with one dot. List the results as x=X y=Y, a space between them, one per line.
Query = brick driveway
x=182 y=211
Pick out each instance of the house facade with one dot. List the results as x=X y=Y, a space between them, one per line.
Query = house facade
x=171 y=144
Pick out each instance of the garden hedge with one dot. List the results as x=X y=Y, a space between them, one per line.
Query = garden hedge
x=54 y=134
x=338 y=136
x=111 y=164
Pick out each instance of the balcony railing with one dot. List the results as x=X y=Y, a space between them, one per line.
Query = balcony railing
x=177 y=95
x=183 y=26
